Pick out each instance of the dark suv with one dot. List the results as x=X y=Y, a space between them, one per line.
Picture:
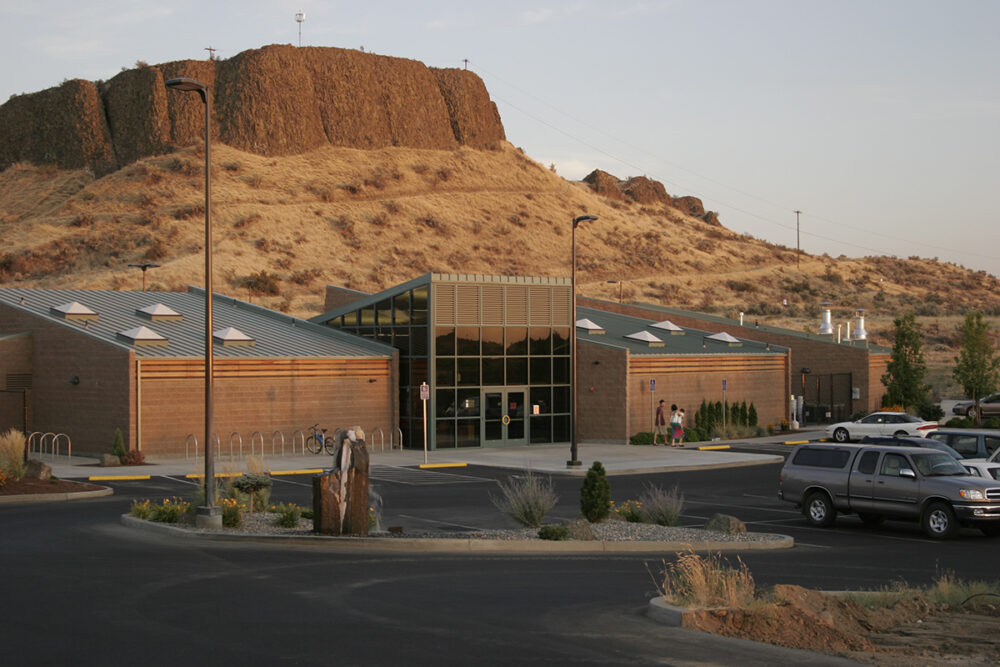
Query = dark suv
x=910 y=441
x=967 y=442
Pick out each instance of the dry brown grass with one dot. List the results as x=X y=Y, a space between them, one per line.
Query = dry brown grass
x=12 y=453
x=705 y=582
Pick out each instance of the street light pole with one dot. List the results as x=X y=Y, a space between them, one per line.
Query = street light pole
x=144 y=267
x=209 y=515
x=574 y=460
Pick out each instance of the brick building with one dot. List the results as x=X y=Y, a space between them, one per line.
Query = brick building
x=837 y=378
x=88 y=362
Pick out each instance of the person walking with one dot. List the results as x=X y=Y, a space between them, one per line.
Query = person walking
x=660 y=425
x=676 y=427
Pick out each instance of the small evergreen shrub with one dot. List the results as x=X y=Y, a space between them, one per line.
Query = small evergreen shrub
x=118 y=445
x=526 y=499
x=752 y=415
x=930 y=412
x=960 y=422
x=554 y=532
x=643 y=438
x=595 y=494
x=253 y=487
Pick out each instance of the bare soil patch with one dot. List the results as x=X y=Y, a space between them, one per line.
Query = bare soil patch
x=35 y=486
x=910 y=631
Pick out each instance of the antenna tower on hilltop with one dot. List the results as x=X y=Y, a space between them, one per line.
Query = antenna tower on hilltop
x=300 y=16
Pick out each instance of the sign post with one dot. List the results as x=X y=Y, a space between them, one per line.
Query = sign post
x=652 y=404
x=425 y=393
x=724 y=405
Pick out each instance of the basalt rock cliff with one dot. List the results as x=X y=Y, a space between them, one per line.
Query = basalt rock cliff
x=277 y=100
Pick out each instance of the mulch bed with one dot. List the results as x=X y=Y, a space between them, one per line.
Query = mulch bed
x=33 y=485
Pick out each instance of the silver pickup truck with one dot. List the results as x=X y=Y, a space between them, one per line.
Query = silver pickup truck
x=884 y=482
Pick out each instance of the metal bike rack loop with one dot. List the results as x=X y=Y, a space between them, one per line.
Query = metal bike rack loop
x=187 y=441
x=278 y=433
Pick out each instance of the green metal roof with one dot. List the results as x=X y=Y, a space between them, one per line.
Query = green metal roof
x=274 y=334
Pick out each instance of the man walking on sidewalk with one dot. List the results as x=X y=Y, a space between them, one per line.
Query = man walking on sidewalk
x=660 y=424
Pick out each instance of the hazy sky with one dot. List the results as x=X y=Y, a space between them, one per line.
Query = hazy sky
x=878 y=119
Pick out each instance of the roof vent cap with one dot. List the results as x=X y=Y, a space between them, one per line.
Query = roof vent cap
x=74 y=310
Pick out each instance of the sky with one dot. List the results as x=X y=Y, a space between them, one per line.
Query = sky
x=879 y=120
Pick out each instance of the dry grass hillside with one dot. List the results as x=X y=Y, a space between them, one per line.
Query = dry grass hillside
x=367 y=219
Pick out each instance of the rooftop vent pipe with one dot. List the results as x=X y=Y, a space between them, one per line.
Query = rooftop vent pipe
x=826 y=326
x=859 y=325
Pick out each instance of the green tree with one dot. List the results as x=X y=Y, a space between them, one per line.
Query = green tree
x=904 y=379
x=595 y=494
x=977 y=368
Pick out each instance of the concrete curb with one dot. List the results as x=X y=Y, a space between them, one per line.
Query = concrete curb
x=53 y=497
x=461 y=545
x=661 y=612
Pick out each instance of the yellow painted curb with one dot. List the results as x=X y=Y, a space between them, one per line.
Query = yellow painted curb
x=196 y=475
x=311 y=471
x=707 y=447
x=113 y=478
x=795 y=442
x=443 y=465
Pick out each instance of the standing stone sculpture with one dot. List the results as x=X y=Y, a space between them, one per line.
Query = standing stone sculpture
x=340 y=495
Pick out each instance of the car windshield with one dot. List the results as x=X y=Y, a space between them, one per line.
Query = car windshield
x=936 y=464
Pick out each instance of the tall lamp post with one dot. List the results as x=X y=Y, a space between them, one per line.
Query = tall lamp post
x=574 y=460
x=144 y=266
x=209 y=515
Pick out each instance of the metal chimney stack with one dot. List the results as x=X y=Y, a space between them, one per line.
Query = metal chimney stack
x=859 y=325
x=826 y=327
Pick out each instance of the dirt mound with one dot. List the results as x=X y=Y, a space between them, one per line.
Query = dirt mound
x=277 y=100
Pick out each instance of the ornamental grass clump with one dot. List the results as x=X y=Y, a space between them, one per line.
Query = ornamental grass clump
x=706 y=582
x=526 y=499
x=662 y=507
x=12 y=454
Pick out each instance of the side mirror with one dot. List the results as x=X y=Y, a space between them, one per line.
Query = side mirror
x=906 y=472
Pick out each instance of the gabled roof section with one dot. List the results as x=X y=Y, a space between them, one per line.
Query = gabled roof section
x=277 y=336
x=74 y=310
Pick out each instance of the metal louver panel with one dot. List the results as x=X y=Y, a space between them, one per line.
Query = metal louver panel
x=541 y=305
x=492 y=305
x=467 y=304
x=517 y=305
x=444 y=304
x=17 y=381
x=562 y=302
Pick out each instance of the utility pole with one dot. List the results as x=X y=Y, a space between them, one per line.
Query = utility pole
x=798 y=247
x=211 y=52
x=300 y=16
x=466 y=61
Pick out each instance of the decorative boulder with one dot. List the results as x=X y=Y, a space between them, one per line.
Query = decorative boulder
x=723 y=523
x=36 y=468
x=110 y=461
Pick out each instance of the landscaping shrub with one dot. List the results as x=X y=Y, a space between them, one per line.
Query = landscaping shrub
x=526 y=499
x=960 y=422
x=930 y=412
x=643 y=438
x=12 y=444
x=662 y=507
x=553 y=532
x=232 y=512
x=170 y=511
x=630 y=510
x=254 y=487
x=118 y=445
x=3 y=479
x=992 y=422
x=595 y=494
x=141 y=509
x=133 y=457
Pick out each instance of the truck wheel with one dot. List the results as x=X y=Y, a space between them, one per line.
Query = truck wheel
x=991 y=530
x=938 y=521
x=841 y=435
x=971 y=412
x=871 y=520
x=818 y=510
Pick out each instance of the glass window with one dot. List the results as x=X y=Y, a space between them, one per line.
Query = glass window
x=892 y=464
x=401 y=308
x=541 y=402
x=492 y=341
x=560 y=429
x=444 y=341
x=493 y=371
x=468 y=402
x=560 y=400
x=444 y=372
x=966 y=445
x=404 y=372
x=540 y=342
x=351 y=319
x=404 y=402
x=367 y=332
x=401 y=340
x=560 y=340
x=560 y=370
x=517 y=371
x=418 y=371
x=418 y=341
x=992 y=443
x=384 y=335
x=468 y=433
x=541 y=429
x=367 y=316
x=419 y=305
x=384 y=310
x=517 y=340
x=541 y=370
x=445 y=436
x=468 y=372
x=868 y=463
x=467 y=341
x=445 y=403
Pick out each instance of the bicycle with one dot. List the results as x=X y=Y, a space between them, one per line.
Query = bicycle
x=319 y=441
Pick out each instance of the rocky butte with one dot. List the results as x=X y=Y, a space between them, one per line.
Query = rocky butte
x=276 y=100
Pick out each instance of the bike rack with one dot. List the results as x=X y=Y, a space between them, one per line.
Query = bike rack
x=69 y=445
x=187 y=440
x=238 y=437
x=31 y=440
x=381 y=438
x=400 y=432
x=302 y=441
x=257 y=434
x=44 y=438
x=282 y=442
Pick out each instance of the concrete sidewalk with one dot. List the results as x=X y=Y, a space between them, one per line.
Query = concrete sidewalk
x=549 y=459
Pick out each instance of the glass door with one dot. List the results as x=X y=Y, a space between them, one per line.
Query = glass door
x=504 y=418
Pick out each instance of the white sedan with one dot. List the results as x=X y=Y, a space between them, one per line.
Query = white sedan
x=880 y=423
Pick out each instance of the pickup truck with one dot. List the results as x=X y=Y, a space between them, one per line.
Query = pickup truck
x=885 y=482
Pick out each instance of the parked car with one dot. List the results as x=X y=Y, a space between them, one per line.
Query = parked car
x=984 y=469
x=880 y=423
x=910 y=441
x=988 y=406
x=969 y=443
